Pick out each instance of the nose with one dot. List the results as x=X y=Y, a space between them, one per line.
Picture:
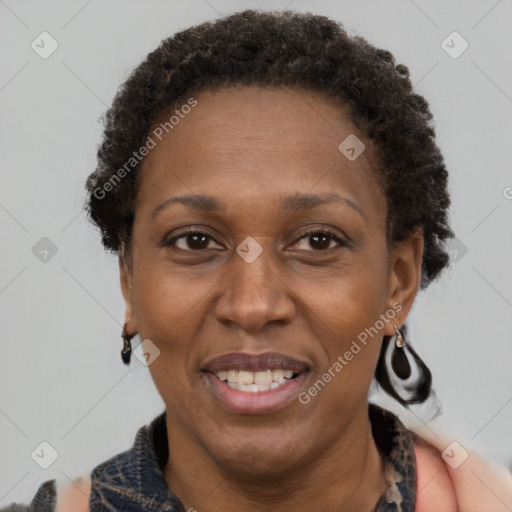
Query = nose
x=254 y=294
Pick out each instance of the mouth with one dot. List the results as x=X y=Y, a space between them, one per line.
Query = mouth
x=255 y=384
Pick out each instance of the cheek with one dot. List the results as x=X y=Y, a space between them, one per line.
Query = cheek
x=167 y=313
x=353 y=300
x=165 y=304
x=350 y=327
x=170 y=310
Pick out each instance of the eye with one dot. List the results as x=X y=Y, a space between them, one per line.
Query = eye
x=197 y=240
x=191 y=240
x=321 y=239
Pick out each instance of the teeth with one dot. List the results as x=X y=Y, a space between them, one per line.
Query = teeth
x=249 y=387
x=277 y=375
x=262 y=378
x=254 y=381
x=245 y=377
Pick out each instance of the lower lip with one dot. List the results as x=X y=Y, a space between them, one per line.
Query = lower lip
x=256 y=402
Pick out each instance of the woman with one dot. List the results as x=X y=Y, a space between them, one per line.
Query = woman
x=274 y=192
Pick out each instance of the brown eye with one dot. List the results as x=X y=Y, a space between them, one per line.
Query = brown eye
x=191 y=240
x=197 y=241
x=321 y=240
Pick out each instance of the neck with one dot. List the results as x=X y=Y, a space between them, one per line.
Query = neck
x=348 y=476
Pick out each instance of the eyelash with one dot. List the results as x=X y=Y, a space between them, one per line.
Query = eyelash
x=195 y=231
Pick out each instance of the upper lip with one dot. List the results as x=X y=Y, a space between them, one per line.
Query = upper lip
x=254 y=362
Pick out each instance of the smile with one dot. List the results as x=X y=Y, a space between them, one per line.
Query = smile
x=255 y=384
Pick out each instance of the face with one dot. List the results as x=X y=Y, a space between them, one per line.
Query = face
x=266 y=281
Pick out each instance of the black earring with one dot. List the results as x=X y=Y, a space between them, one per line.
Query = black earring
x=126 y=353
x=416 y=392
x=399 y=361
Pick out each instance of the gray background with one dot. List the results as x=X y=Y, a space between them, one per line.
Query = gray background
x=61 y=377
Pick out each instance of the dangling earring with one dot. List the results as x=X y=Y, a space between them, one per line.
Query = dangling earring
x=126 y=353
x=421 y=387
x=399 y=361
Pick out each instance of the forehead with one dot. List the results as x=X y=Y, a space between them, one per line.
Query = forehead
x=248 y=142
x=270 y=119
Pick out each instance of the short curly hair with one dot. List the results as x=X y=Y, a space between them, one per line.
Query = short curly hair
x=283 y=49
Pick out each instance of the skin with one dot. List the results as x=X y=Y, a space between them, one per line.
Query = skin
x=249 y=147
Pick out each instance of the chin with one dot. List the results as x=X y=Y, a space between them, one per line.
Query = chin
x=259 y=461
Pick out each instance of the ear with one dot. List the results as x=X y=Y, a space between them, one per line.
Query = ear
x=126 y=278
x=404 y=277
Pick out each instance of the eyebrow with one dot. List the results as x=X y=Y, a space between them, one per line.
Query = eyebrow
x=292 y=203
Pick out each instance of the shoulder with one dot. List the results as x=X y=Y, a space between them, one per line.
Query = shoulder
x=43 y=500
x=55 y=496
x=121 y=471
x=455 y=478
x=434 y=487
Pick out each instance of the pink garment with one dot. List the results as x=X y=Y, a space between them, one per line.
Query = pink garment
x=74 y=497
x=476 y=485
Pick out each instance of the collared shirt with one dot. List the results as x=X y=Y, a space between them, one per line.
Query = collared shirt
x=133 y=481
